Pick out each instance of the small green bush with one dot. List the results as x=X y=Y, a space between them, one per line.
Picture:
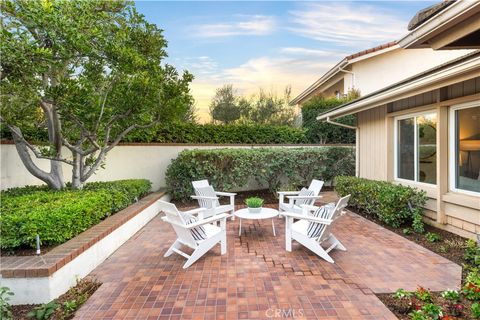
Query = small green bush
x=229 y=169
x=472 y=253
x=433 y=237
x=58 y=216
x=393 y=204
x=254 y=202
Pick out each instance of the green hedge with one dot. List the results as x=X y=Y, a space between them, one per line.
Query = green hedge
x=387 y=201
x=229 y=169
x=321 y=131
x=199 y=133
x=210 y=133
x=58 y=216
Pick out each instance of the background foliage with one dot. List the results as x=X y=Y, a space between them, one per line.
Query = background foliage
x=323 y=132
x=275 y=168
x=58 y=216
x=211 y=133
x=384 y=200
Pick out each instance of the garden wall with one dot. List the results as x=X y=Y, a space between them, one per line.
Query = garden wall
x=148 y=161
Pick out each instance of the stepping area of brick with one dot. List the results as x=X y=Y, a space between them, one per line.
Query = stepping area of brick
x=258 y=279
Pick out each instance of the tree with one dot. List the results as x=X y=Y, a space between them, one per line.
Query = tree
x=269 y=108
x=90 y=72
x=224 y=106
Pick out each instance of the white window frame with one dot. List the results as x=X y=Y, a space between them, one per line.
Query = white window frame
x=452 y=163
x=415 y=152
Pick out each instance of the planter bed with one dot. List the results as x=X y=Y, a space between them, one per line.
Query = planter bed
x=39 y=279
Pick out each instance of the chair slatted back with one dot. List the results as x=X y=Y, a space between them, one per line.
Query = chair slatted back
x=200 y=184
x=316 y=187
x=334 y=214
x=173 y=215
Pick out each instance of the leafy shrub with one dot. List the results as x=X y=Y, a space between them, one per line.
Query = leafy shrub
x=452 y=295
x=254 y=202
x=476 y=310
x=5 y=307
x=211 y=133
x=229 y=169
x=393 y=204
x=471 y=286
x=432 y=237
x=58 y=216
x=402 y=294
x=43 y=311
x=472 y=253
x=323 y=132
x=423 y=294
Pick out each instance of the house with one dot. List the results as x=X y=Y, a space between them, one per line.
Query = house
x=375 y=68
x=424 y=131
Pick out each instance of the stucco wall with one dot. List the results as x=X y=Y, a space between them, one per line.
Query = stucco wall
x=388 y=68
x=123 y=162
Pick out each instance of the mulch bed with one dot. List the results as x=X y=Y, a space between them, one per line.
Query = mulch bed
x=74 y=298
x=401 y=308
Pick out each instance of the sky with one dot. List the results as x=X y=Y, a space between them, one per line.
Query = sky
x=270 y=44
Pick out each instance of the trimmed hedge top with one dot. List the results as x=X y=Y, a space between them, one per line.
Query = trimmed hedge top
x=58 y=216
x=230 y=169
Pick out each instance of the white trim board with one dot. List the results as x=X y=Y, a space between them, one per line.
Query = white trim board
x=36 y=290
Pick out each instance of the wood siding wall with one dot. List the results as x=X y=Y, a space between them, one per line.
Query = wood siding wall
x=456 y=212
x=372 y=144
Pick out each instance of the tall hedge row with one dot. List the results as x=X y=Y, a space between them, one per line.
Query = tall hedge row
x=230 y=169
x=58 y=216
x=200 y=133
x=323 y=132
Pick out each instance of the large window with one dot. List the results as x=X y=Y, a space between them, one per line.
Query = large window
x=416 y=148
x=465 y=148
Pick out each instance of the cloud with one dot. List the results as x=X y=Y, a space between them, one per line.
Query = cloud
x=294 y=66
x=258 y=25
x=350 y=24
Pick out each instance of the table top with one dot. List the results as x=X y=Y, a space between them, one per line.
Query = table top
x=265 y=213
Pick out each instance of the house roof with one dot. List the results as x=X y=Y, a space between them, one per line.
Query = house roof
x=427 y=13
x=359 y=56
x=464 y=63
x=438 y=26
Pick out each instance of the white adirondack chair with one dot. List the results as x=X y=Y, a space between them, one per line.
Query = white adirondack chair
x=207 y=198
x=301 y=231
x=186 y=232
x=299 y=198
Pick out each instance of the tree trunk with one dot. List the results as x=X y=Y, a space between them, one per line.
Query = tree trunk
x=77 y=182
x=54 y=178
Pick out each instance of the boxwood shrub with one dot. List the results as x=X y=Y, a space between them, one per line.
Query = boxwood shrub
x=58 y=216
x=230 y=169
x=396 y=205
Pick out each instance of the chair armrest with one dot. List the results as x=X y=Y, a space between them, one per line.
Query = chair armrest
x=207 y=220
x=308 y=218
x=204 y=197
x=225 y=194
x=304 y=197
x=288 y=192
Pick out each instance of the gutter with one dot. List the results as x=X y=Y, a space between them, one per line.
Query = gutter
x=341 y=124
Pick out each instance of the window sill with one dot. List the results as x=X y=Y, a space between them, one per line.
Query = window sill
x=463 y=200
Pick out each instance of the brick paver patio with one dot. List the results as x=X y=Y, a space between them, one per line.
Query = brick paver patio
x=258 y=279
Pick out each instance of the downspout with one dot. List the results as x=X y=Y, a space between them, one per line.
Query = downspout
x=357 y=143
x=349 y=72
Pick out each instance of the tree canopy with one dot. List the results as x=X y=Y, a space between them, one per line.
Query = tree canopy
x=89 y=72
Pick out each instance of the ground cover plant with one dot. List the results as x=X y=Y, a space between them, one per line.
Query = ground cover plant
x=62 y=308
x=59 y=215
x=274 y=168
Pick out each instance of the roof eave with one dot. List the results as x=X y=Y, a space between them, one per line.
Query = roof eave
x=382 y=96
